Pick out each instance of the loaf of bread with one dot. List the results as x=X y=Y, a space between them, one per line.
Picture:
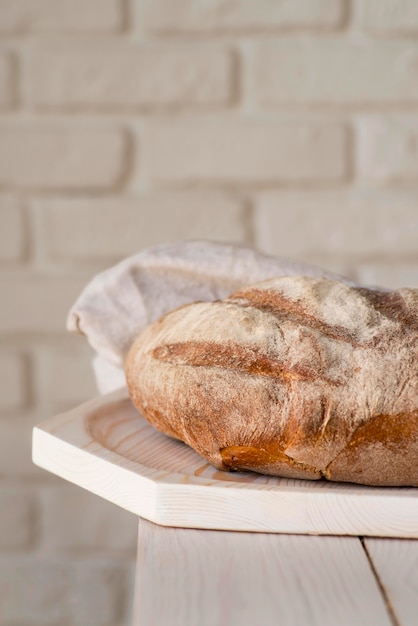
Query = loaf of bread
x=297 y=377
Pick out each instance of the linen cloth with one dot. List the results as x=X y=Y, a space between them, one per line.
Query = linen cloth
x=121 y=301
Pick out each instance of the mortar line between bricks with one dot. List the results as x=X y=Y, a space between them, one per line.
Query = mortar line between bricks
x=104 y=117
x=100 y=119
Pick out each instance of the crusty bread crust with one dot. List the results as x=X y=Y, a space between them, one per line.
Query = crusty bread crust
x=297 y=377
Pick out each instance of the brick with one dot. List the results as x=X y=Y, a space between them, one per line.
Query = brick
x=34 y=591
x=16 y=443
x=61 y=158
x=245 y=152
x=37 y=304
x=140 y=76
x=388 y=273
x=389 y=16
x=52 y=592
x=13 y=391
x=65 y=376
x=105 y=527
x=12 y=231
x=357 y=223
x=100 y=594
x=17 y=519
x=60 y=16
x=312 y=71
x=388 y=149
x=129 y=224
x=182 y=16
x=6 y=81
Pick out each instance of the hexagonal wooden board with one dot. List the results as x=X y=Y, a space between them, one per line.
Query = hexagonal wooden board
x=108 y=448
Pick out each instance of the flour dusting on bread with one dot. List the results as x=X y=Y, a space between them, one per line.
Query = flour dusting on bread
x=301 y=377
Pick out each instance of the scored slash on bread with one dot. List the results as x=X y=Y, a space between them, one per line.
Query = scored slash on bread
x=299 y=377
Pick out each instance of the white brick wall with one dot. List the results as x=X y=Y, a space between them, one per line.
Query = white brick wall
x=13 y=388
x=222 y=152
x=352 y=71
x=104 y=77
x=388 y=148
x=290 y=125
x=44 y=585
x=185 y=16
x=61 y=16
x=17 y=519
x=7 y=94
x=37 y=304
x=105 y=526
x=62 y=591
x=45 y=156
x=64 y=375
x=12 y=230
x=67 y=224
x=389 y=17
x=361 y=223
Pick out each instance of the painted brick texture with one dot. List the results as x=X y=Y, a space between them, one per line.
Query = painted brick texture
x=388 y=149
x=125 y=77
x=64 y=375
x=185 y=16
x=61 y=592
x=12 y=381
x=291 y=126
x=61 y=16
x=13 y=235
x=7 y=90
x=18 y=520
x=105 y=527
x=45 y=157
x=246 y=153
x=363 y=223
x=67 y=224
x=399 y=17
x=305 y=71
x=43 y=303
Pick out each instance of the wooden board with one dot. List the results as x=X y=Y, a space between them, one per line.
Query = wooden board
x=188 y=577
x=395 y=562
x=108 y=448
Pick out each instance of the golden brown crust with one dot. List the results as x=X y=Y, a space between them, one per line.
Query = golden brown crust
x=298 y=377
x=384 y=451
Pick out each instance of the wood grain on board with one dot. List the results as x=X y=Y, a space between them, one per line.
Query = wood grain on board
x=186 y=577
x=396 y=564
x=108 y=448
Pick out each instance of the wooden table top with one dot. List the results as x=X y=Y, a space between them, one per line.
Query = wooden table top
x=188 y=577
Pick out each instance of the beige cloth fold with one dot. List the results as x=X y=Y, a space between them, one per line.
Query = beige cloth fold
x=121 y=301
